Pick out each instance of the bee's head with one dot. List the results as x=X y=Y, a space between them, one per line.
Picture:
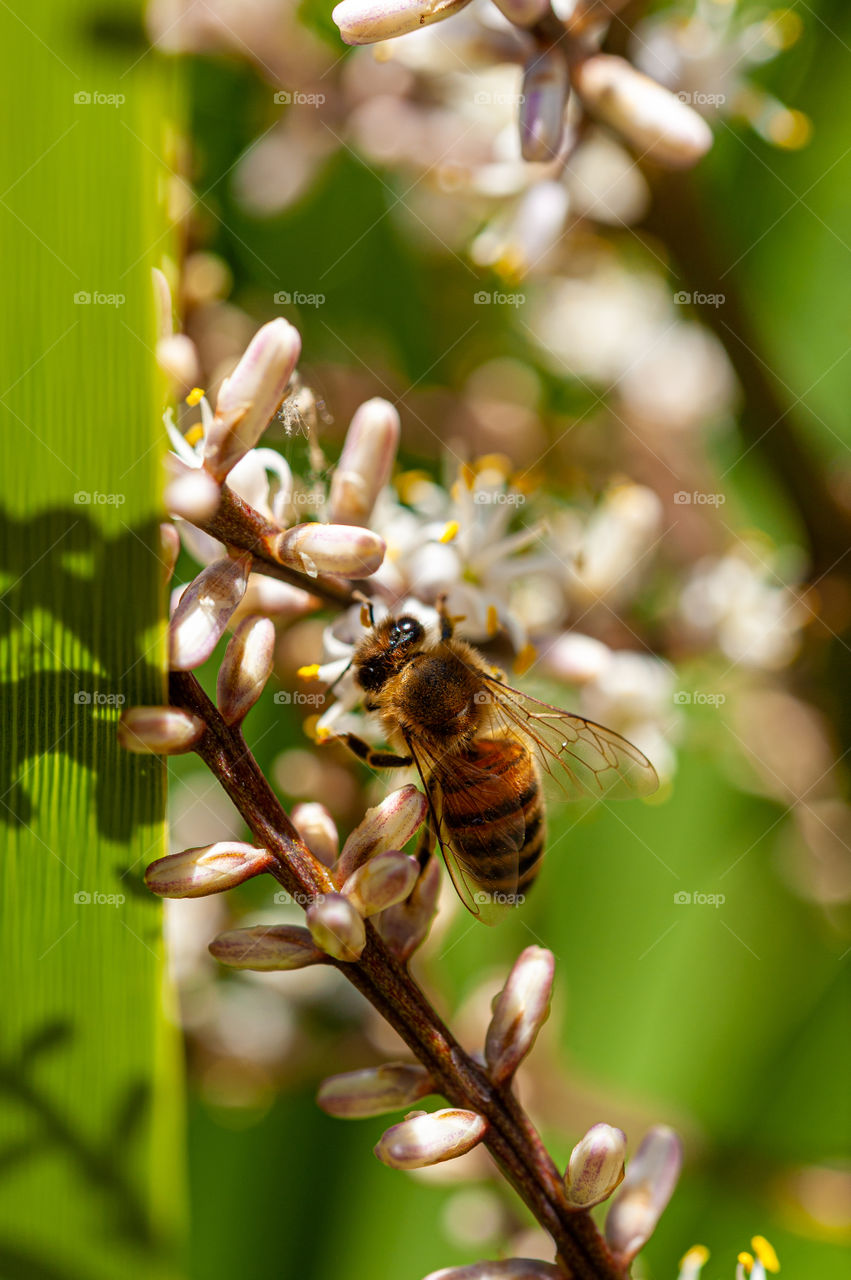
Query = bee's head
x=393 y=642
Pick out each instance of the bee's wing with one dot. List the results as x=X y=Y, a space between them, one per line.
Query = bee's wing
x=585 y=758
x=481 y=791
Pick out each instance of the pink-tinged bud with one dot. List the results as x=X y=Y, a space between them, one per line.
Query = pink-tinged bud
x=178 y=359
x=523 y=13
x=159 y=731
x=388 y=825
x=405 y=927
x=169 y=549
x=426 y=1139
x=245 y=668
x=596 y=1166
x=210 y=868
x=650 y=1179
x=267 y=948
x=375 y=1090
x=366 y=21
x=505 y=1269
x=191 y=493
x=336 y=927
x=365 y=463
x=318 y=830
x=204 y=611
x=521 y=1009
x=381 y=882
x=251 y=395
x=651 y=118
x=343 y=549
x=544 y=99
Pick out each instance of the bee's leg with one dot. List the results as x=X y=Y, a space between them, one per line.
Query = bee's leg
x=375 y=759
x=447 y=624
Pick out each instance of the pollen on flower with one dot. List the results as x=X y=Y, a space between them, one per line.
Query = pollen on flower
x=766 y=1253
x=315 y=730
x=196 y=395
x=195 y=433
x=746 y=1260
x=492 y=620
x=450 y=532
x=310 y=672
x=698 y=1253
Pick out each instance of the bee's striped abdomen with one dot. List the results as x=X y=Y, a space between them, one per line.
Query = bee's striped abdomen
x=493 y=814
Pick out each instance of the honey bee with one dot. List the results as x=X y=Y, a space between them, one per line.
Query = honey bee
x=480 y=747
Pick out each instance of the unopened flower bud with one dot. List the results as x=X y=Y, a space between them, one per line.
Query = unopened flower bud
x=650 y=1179
x=169 y=549
x=178 y=358
x=381 y=882
x=210 y=868
x=251 y=395
x=245 y=668
x=426 y=1139
x=405 y=927
x=161 y=731
x=504 y=1269
x=388 y=825
x=375 y=1090
x=318 y=830
x=521 y=1009
x=365 y=463
x=267 y=948
x=336 y=927
x=191 y=492
x=204 y=611
x=343 y=549
x=543 y=102
x=596 y=1166
x=366 y=21
x=651 y=118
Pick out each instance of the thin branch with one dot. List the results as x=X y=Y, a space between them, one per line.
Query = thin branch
x=511 y=1138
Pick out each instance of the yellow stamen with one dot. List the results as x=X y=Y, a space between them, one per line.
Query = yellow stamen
x=195 y=433
x=467 y=475
x=746 y=1260
x=196 y=395
x=450 y=532
x=407 y=483
x=782 y=28
x=310 y=672
x=698 y=1253
x=316 y=731
x=524 y=660
x=492 y=620
x=790 y=129
x=493 y=462
x=765 y=1252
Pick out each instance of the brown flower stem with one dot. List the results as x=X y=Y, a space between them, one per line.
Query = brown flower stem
x=511 y=1138
x=237 y=524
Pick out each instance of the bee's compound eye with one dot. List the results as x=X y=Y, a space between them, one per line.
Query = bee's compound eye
x=405 y=630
